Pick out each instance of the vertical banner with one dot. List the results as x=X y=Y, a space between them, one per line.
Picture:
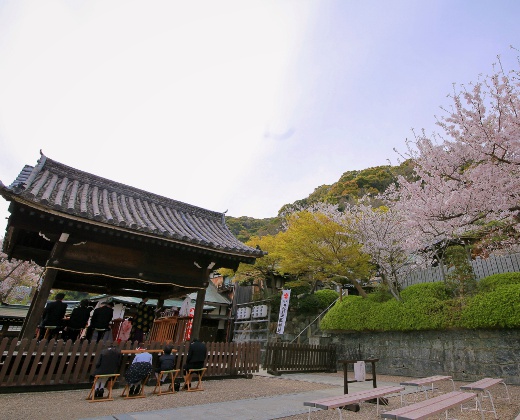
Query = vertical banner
x=189 y=326
x=284 y=307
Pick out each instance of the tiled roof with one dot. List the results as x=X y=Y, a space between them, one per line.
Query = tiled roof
x=54 y=186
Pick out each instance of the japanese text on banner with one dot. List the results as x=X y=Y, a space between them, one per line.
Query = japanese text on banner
x=284 y=307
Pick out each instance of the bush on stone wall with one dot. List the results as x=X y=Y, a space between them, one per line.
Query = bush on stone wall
x=498 y=308
x=428 y=306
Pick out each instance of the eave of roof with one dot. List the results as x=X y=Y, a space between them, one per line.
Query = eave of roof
x=60 y=189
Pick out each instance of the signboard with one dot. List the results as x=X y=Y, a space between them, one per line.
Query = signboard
x=284 y=307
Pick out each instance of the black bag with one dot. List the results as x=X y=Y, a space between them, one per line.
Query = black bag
x=177 y=386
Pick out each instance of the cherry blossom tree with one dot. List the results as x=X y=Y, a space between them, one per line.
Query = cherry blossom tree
x=392 y=246
x=14 y=275
x=469 y=175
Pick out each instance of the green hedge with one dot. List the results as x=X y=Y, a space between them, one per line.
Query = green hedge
x=428 y=306
x=490 y=283
x=498 y=308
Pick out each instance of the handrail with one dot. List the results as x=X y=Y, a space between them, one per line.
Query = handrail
x=315 y=319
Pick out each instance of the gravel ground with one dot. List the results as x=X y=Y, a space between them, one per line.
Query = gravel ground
x=67 y=405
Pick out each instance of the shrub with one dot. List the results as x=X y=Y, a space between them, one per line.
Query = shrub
x=498 y=308
x=381 y=294
x=344 y=315
x=325 y=298
x=490 y=283
x=428 y=306
x=309 y=304
x=418 y=291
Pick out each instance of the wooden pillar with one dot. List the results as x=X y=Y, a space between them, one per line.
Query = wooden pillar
x=160 y=303
x=42 y=294
x=199 y=305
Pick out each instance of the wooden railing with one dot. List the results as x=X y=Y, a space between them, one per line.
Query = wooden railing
x=289 y=357
x=29 y=362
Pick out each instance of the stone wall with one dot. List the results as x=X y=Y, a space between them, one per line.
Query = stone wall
x=467 y=355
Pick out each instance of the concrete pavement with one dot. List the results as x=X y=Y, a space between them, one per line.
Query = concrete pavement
x=264 y=408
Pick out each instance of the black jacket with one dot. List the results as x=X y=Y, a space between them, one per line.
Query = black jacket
x=197 y=352
x=101 y=317
x=166 y=362
x=108 y=362
x=79 y=317
x=54 y=313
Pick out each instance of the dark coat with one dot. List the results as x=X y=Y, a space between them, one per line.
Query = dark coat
x=108 y=362
x=101 y=317
x=54 y=313
x=79 y=317
x=166 y=362
x=197 y=352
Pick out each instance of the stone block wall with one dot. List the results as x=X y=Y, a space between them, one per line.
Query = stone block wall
x=467 y=355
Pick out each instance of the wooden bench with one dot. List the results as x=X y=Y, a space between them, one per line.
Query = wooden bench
x=427 y=384
x=427 y=408
x=482 y=387
x=200 y=373
x=111 y=379
x=158 y=386
x=331 y=403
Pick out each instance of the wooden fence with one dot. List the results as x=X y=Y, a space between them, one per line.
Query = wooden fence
x=289 y=357
x=481 y=267
x=30 y=363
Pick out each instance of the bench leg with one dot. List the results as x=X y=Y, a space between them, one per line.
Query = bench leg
x=340 y=414
x=109 y=384
x=507 y=392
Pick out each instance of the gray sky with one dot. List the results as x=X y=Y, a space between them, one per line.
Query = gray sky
x=240 y=105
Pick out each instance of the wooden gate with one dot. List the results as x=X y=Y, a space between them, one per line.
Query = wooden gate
x=289 y=357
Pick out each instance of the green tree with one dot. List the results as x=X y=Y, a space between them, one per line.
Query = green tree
x=461 y=280
x=264 y=271
x=320 y=247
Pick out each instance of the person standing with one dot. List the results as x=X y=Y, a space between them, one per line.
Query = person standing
x=142 y=321
x=53 y=315
x=100 y=321
x=78 y=321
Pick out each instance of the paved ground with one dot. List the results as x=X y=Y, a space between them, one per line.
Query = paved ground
x=262 y=397
x=263 y=408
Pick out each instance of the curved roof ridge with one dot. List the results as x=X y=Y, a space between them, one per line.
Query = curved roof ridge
x=86 y=177
x=60 y=188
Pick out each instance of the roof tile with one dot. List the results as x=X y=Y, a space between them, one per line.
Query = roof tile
x=53 y=185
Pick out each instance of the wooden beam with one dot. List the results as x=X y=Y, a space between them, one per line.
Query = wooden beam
x=40 y=297
x=199 y=304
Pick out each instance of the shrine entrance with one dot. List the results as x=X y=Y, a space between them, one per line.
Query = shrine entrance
x=98 y=236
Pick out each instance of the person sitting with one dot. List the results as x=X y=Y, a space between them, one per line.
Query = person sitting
x=195 y=360
x=165 y=362
x=53 y=315
x=108 y=362
x=138 y=371
x=78 y=320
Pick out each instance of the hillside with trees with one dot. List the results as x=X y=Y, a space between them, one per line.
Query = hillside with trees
x=455 y=196
x=351 y=186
